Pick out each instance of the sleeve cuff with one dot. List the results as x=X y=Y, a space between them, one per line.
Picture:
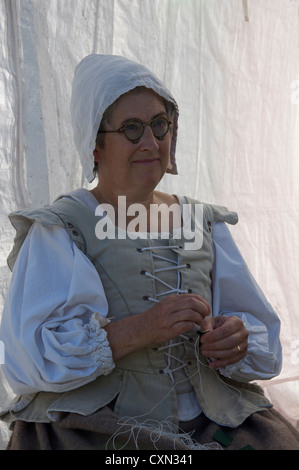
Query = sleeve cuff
x=101 y=348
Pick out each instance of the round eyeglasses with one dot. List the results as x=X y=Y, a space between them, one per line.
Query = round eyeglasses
x=133 y=129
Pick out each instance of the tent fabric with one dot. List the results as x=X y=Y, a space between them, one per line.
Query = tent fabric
x=233 y=68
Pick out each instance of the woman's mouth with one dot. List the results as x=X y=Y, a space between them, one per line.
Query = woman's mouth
x=146 y=161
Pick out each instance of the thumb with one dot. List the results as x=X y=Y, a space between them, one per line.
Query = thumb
x=205 y=326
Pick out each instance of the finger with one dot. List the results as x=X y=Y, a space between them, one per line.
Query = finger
x=231 y=349
x=185 y=320
x=227 y=357
x=188 y=301
x=226 y=352
x=226 y=328
x=195 y=303
x=181 y=327
x=190 y=317
x=206 y=304
x=222 y=344
x=206 y=326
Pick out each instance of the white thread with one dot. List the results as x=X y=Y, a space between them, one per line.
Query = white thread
x=134 y=427
x=164 y=428
x=157 y=430
x=161 y=348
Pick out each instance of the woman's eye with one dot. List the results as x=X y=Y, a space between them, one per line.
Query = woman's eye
x=132 y=126
x=159 y=122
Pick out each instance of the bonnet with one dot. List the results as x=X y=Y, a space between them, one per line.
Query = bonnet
x=99 y=80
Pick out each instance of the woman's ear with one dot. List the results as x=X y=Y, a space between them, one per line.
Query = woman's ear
x=96 y=154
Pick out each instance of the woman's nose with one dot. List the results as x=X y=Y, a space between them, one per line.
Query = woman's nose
x=148 y=141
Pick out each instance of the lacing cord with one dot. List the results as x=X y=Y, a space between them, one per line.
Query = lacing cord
x=170 y=356
x=170 y=290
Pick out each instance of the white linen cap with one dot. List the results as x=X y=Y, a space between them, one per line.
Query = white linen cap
x=99 y=80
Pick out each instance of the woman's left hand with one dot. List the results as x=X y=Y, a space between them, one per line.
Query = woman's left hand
x=226 y=343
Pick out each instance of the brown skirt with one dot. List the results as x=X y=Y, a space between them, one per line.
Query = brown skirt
x=266 y=430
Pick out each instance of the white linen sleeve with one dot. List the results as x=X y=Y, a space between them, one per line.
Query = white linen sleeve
x=235 y=292
x=53 y=318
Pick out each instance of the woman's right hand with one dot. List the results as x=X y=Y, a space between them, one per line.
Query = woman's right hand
x=174 y=315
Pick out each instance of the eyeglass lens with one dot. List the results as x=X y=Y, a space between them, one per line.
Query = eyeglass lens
x=134 y=128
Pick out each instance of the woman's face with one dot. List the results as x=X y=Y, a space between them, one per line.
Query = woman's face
x=133 y=169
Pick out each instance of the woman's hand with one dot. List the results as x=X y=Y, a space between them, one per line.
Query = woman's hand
x=174 y=315
x=226 y=343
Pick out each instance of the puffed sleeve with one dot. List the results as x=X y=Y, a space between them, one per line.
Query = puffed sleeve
x=53 y=318
x=235 y=292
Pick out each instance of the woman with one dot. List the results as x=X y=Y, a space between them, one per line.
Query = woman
x=117 y=334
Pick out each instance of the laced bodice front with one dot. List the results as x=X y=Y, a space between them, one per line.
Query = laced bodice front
x=167 y=275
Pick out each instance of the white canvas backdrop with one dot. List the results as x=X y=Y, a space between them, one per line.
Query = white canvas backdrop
x=237 y=85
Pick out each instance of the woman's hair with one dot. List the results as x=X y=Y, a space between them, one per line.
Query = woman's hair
x=100 y=139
